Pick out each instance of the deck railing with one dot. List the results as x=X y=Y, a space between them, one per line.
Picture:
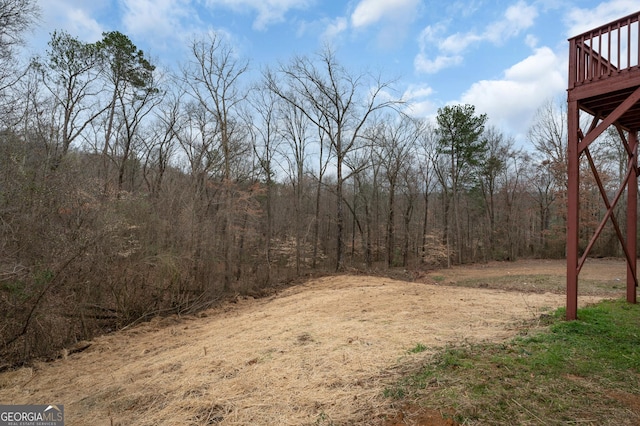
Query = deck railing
x=605 y=51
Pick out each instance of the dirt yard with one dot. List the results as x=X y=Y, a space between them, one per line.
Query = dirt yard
x=318 y=353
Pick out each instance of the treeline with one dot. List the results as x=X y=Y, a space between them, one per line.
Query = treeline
x=128 y=191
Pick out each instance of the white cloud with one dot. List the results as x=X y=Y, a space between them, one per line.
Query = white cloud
x=579 y=20
x=423 y=64
x=392 y=19
x=511 y=102
x=421 y=109
x=457 y=43
x=269 y=11
x=418 y=103
x=75 y=17
x=517 y=18
x=464 y=8
x=369 y=12
x=156 y=17
x=531 y=41
x=429 y=37
x=335 y=28
x=80 y=23
x=417 y=91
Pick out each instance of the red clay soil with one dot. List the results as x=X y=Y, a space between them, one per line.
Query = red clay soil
x=420 y=416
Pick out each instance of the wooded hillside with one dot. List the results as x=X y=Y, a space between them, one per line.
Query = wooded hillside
x=128 y=191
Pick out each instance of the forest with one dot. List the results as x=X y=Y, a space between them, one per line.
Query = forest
x=129 y=191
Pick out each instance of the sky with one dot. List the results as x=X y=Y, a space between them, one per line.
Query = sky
x=505 y=57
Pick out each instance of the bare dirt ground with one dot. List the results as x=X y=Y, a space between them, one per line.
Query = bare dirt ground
x=317 y=353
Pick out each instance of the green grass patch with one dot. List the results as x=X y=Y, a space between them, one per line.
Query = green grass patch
x=585 y=371
x=419 y=347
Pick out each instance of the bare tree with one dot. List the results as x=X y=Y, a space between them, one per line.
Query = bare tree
x=360 y=162
x=323 y=157
x=499 y=150
x=410 y=188
x=368 y=195
x=213 y=78
x=134 y=107
x=548 y=134
x=16 y=17
x=195 y=130
x=264 y=125
x=339 y=104
x=511 y=181
x=159 y=144
x=295 y=131
x=426 y=157
x=395 y=142
x=544 y=195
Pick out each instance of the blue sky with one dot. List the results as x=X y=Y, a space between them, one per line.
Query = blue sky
x=504 y=57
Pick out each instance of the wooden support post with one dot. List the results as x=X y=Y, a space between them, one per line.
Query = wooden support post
x=602 y=85
x=573 y=199
x=632 y=217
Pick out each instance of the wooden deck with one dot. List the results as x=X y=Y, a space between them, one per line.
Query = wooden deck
x=604 y=81
x=604 y=70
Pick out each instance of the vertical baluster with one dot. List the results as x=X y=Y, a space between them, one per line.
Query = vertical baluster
x=609 y=58
x=593 y=59
x=587 y=64
x=637 y=38
x=581 y=59
x=618 y=54
x=587 y=72
x=629 y=43
x=598 y=70
x=574 y=56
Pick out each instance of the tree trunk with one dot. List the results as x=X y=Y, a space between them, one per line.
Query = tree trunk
x=107 y=138
x=425 y=222
x=407 y=223
x=339 y=214
x=316 y=224
x=390 y=225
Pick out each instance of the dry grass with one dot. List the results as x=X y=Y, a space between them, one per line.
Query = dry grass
x=570 y=372
x=599 y=277
x=318 y=353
